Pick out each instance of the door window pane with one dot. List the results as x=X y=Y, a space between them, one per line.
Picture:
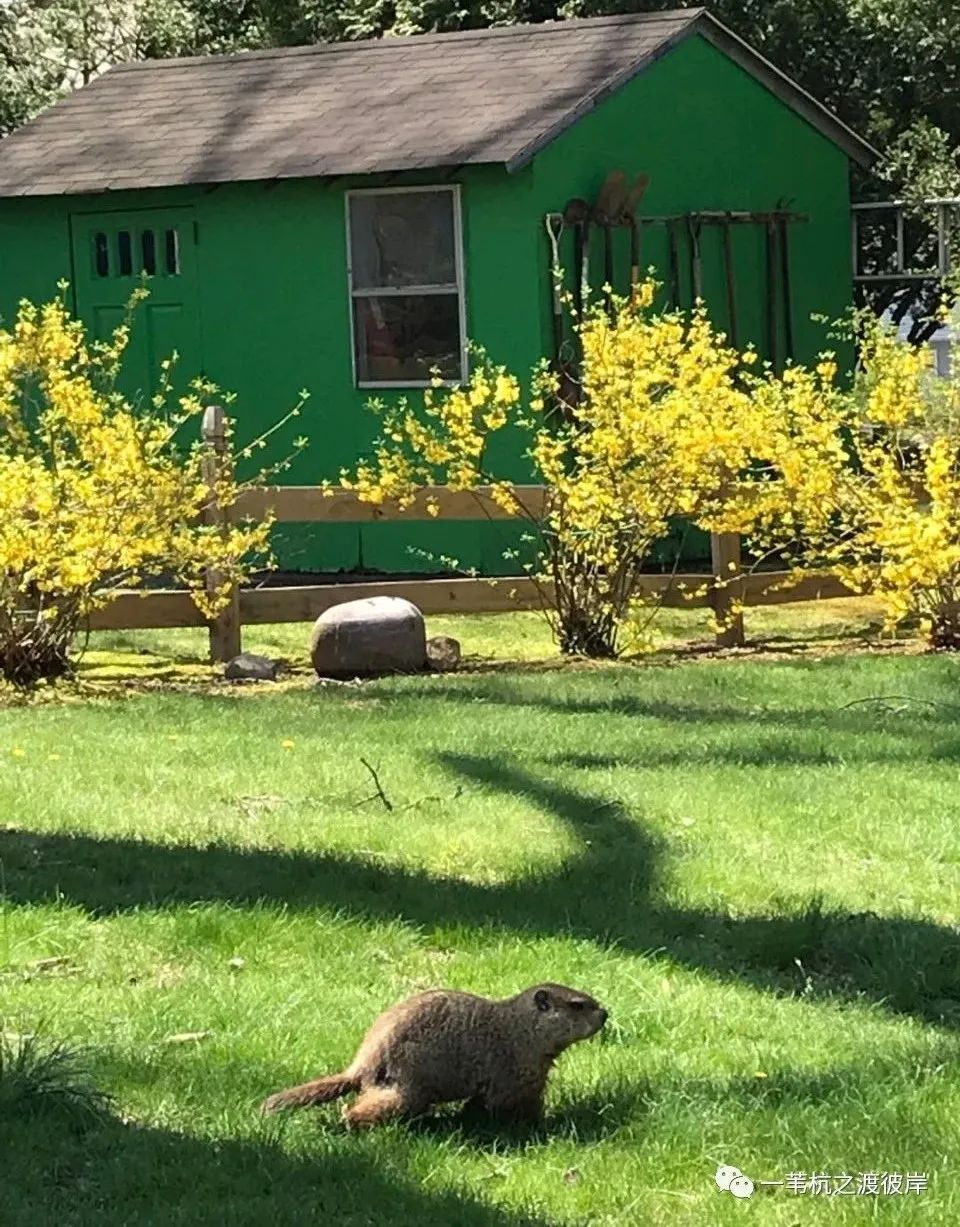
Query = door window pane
x=173 y=253
x=125 y=253
x=101 y=254
x=149 y=248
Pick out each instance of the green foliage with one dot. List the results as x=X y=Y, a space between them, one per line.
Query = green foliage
x=41 y=1075
x=925 y=161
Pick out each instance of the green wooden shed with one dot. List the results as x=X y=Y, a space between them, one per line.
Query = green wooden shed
x=344 y=217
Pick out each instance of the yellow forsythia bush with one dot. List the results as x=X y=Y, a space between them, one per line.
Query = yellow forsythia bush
x=858 y=476
x=661 y=430
x=93 y=493
x=868 y=479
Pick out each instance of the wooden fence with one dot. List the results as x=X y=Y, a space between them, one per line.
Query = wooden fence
x=164 y=608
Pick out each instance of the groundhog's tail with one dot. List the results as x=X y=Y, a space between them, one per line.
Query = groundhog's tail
x=321 y=1090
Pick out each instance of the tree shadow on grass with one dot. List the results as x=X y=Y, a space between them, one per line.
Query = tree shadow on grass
x=116 y=1174
x=917 y=719
x=606 y=893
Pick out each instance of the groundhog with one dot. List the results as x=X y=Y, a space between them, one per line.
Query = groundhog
x=444 y=1046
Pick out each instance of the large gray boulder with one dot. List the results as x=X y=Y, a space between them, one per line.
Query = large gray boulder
x=381 y=634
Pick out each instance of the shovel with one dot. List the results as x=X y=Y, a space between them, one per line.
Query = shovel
x=785 y=288
x=607 y=212
x=554 y=227
x=731 y=282
x=694 y=225
x=576 y=213
x=629 y=216
x=674 y=264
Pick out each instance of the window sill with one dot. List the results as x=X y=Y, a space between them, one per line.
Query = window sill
x=398 y=383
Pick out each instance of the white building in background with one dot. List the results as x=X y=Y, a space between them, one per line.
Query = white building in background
x=942 y=343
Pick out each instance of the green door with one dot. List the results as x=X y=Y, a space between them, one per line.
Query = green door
x=112 y=252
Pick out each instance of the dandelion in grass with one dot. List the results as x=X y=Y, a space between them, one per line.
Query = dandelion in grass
x=287 y=744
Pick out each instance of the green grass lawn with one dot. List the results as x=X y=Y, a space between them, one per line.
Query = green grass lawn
x=754 y=863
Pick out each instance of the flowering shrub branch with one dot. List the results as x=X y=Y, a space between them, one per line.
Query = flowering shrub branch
x=869 y=479
x=95 y=494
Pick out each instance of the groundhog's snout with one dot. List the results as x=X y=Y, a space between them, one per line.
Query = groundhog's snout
x=602 y=1015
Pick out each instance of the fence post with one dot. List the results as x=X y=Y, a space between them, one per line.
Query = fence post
x=225 y=630
x=725 y=560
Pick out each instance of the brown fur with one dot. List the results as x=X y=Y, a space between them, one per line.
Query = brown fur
x=444 y=1046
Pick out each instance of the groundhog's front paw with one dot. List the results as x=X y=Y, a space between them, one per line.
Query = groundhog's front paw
x=356 y=1121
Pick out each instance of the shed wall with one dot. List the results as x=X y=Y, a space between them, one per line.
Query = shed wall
x=272 y=263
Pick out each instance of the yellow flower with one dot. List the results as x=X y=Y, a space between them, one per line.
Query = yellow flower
x=287 y=744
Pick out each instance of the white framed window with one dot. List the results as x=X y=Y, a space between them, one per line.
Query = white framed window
x=405 y=259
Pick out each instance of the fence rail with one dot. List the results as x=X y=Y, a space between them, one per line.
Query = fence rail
x=168 y=608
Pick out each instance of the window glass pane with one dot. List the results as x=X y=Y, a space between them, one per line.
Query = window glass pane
x=125 y=253
x=400 y=339
x=173 y=253
x=402 y=238
x=149 y=248
x=101 y=254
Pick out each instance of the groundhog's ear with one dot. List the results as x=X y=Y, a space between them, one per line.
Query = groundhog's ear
x=541 y=999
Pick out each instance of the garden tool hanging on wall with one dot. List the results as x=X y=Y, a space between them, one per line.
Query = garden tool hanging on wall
x=783 y=223
x=615 y=207
x=568 y=389
x=729 y=272
x=607 y=212
x=694 y=226
x=777 y=283
x=674 y=260
x=576 y=213
x=554 y=226
x=629 y=218
x=779 y=289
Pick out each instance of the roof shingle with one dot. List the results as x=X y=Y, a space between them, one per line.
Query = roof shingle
x=392 y=104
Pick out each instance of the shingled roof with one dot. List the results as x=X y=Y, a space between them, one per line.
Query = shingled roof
x=392 y=104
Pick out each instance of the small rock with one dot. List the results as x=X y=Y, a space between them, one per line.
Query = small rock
x=248 y=667
x=443 y=653
x=237 y=964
